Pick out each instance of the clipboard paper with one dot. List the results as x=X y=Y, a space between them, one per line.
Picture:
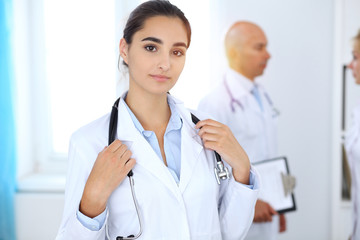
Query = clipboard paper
x=277 y=184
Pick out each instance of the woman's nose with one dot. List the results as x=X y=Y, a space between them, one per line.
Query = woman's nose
x=164 y=63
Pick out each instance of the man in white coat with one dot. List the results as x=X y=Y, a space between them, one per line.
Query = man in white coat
x=242 y=103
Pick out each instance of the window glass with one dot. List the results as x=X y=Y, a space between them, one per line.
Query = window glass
x=80 y=58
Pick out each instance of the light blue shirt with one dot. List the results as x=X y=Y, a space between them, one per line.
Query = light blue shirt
x=256 y=93
x=172 y=140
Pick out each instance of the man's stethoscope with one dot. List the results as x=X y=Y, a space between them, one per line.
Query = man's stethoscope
x=221 y=172
x=233 y=101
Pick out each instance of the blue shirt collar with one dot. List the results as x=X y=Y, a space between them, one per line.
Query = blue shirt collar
x=175 y=121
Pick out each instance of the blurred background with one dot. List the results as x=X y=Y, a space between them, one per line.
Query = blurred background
x=61 y=72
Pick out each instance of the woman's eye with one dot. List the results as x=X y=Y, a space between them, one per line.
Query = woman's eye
x=178 y=53
x=150 y=48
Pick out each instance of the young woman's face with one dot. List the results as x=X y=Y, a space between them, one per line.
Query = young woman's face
x=355 y=63
x=156 y=55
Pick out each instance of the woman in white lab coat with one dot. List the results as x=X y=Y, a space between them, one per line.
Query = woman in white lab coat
x=353 y=145
x=172 y=159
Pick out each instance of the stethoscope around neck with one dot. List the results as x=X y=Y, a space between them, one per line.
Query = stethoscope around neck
x=221 y=172
x=234 y=101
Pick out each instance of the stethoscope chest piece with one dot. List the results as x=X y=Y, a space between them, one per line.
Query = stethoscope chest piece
x=221 y=172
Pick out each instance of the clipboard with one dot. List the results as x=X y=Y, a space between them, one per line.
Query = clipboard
x=278 y=184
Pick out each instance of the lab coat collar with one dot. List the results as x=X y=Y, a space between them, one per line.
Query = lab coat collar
x=186 y=116
x=243 y=87
x=239 y=82
x=191 y=147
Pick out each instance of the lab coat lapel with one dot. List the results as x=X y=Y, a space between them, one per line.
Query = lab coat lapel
x=267 y=104
x=191 y=146
x=126 y=131
x=190 y=155
x=240 y=88
x=238 y=91
x=141 y=150
x=147 y=158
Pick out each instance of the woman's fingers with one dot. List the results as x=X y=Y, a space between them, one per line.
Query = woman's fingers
x=213 y=127
x=214 y=134
x=213 y=145
x=210 y=137
x=124 y=158
x=209 y=122
x=114 y=145
x=112 y=165
x=130 y=164
x=210 y=129
x=120 y=152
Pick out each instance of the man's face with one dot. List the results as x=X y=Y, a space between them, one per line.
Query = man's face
x=253 y=54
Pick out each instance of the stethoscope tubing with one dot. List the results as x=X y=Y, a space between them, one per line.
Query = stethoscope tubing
x=236 y=101
x=112 y=135
x=136 y=204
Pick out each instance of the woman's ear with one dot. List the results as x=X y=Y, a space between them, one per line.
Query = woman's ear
x=123 y=49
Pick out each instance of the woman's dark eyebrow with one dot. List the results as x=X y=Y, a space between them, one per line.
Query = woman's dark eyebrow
x=156 y=40
x=180 y=44
x=152 y=39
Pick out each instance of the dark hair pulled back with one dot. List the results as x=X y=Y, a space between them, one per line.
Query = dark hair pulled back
x=150 y=9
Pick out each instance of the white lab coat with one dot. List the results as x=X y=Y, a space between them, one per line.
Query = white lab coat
x=198 y=208
x=255 y=130
x=353 y=153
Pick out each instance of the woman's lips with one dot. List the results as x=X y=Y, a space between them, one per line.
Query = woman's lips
x=160 y=78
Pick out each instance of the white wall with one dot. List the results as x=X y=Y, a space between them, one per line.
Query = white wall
x=38 y=215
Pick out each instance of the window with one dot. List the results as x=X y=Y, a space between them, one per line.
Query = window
x=80 y=52
x=66 y=63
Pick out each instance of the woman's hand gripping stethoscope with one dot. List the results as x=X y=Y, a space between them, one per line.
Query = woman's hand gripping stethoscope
x=218 y=137
x=110 y=169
